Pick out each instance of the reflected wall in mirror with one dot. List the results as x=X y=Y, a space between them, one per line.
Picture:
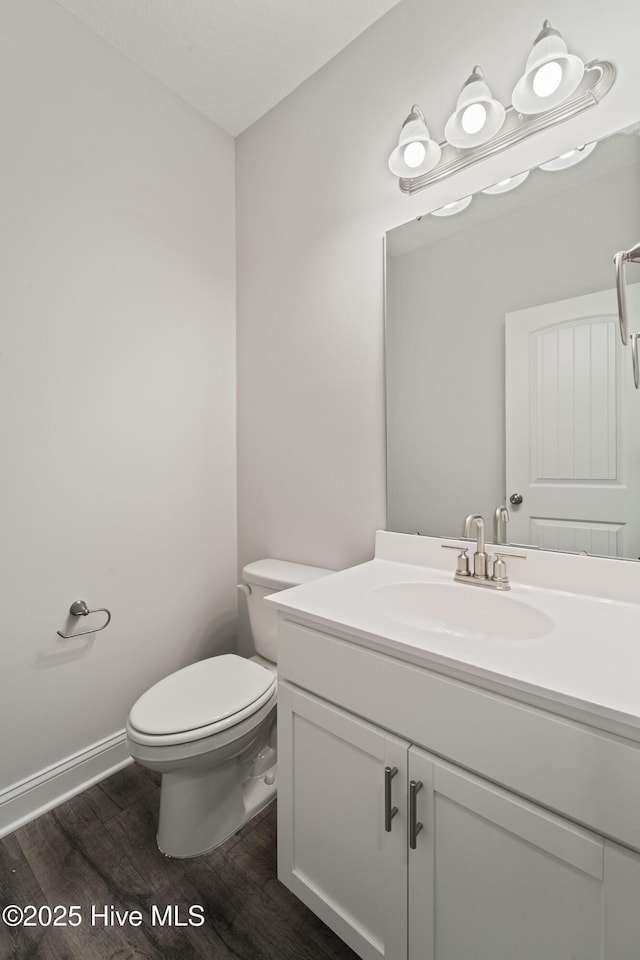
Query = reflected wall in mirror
x=534 y=265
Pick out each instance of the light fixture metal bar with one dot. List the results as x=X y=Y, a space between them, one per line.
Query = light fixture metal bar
x=589 y=94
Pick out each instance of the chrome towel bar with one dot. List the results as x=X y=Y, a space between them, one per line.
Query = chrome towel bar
x=80 y=609
x=621 y=258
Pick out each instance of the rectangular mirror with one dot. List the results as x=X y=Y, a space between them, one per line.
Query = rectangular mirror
x=505 y=373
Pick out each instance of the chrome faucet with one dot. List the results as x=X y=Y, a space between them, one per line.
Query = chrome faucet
x=500 y=521
x=466 y=526
x=480 y=557
x=498 y=579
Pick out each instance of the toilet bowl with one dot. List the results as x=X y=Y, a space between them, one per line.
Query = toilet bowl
x=210 y=728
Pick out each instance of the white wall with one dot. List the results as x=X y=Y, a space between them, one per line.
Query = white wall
x=117 y=385
x=314 y=199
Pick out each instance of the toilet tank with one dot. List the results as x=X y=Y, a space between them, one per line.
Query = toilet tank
x=263 y=577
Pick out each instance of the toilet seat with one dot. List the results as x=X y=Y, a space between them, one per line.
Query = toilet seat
x=201 y=700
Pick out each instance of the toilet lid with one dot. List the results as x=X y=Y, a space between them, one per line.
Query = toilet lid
x=201 y=694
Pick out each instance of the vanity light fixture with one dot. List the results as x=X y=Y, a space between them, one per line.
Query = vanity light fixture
x=510 y=183
x=570 y=158
x=550 y=76
x=555 y=87
x=450 y=209
x=477 y=117
x=416 y=152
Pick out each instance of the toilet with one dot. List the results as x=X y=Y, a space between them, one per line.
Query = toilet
x=210 y=728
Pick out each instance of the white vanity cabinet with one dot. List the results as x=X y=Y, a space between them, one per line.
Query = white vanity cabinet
x=489 y=875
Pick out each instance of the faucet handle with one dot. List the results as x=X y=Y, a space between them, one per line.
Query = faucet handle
x=500 y=567
x=462 y=566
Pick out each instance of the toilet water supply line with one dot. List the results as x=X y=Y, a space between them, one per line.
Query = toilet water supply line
x=620 y=260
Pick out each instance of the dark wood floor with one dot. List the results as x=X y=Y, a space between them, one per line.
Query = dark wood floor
x=98 y=850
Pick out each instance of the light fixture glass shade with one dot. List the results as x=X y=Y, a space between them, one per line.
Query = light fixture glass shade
x=570 y=158
x=510 y=183
x=477 y=117
x=450 y=209
x=551 y=74
x=416 y=152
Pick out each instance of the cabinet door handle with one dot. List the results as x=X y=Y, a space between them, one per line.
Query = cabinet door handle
x=389 y=811
x=414 y=826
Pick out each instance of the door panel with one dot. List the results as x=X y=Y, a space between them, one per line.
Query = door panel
x=504 y=879
x=334 y=852
x=622 y=903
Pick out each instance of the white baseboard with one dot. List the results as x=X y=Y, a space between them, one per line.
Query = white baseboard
x=28 y=799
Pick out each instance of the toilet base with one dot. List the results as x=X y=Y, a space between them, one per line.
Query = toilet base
x=199 y=811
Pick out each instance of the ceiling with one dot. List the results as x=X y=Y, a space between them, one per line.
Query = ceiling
x=230 y=59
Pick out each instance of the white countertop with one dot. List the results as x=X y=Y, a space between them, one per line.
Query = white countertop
x=586 y=666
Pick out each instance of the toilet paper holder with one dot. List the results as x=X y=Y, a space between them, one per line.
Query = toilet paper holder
x=79 y=609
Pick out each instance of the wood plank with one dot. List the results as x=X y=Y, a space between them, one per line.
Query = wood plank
x=134 y=830
x=99 y=848
x=19 y=886
x=260 y=931
x=268 y=826
x=128 y=785
x=102 y=805
x=256 y=856
x=304 y=923
x=77 y=862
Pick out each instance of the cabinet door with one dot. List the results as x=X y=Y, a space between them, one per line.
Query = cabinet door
x=621 y=903
x=334 y=852
x=494 y=877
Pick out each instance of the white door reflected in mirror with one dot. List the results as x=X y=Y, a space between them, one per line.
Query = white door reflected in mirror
x=573 y=443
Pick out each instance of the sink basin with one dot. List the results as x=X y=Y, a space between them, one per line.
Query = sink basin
x=460 y=610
